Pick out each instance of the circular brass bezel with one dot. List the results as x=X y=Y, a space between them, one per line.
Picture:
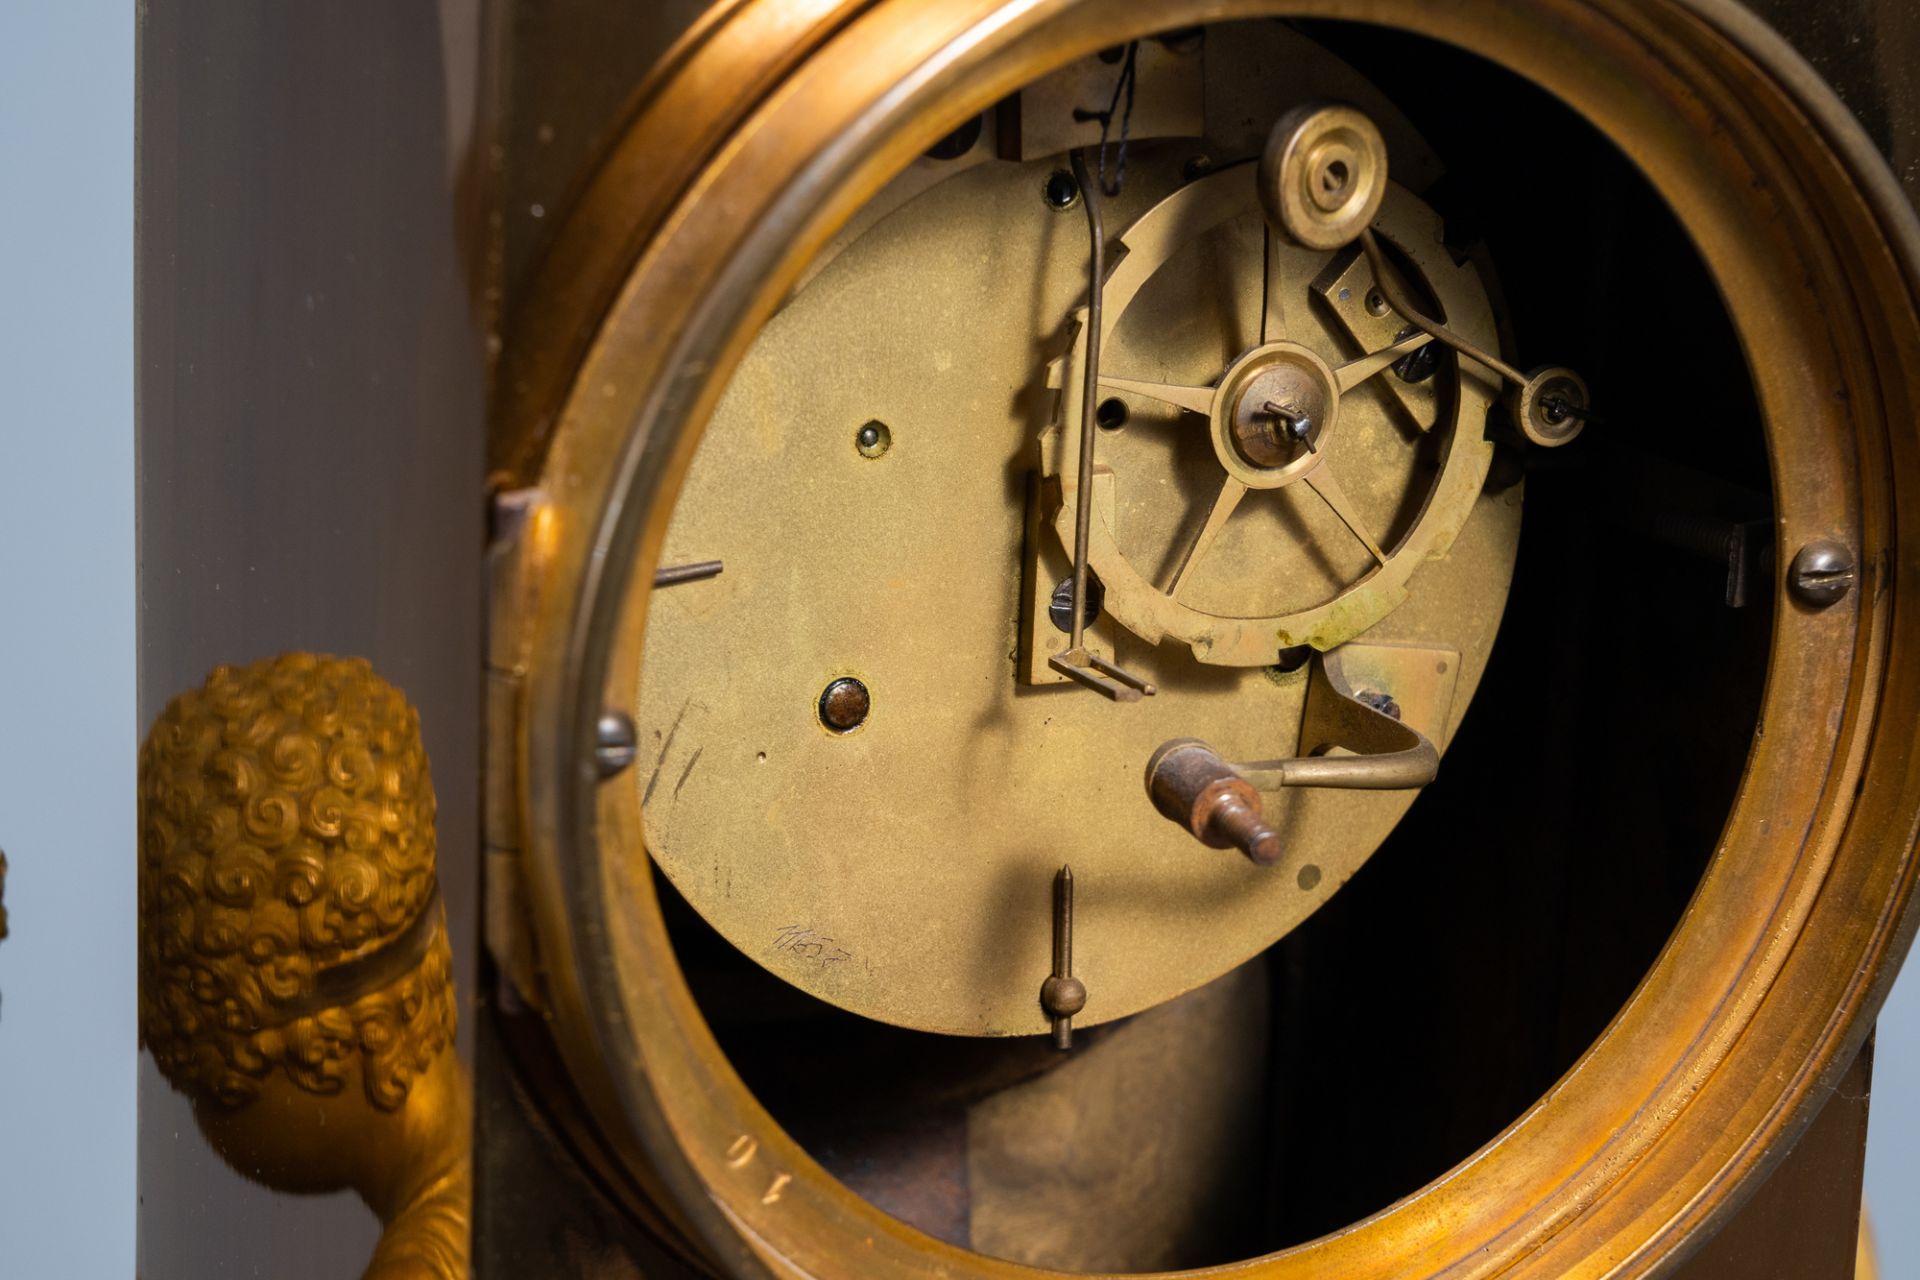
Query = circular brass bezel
x=770 y=128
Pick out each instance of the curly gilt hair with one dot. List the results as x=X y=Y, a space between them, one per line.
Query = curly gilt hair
x=286 y=828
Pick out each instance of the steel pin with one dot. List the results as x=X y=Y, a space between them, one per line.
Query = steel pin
x=674 y=575
x=1062 y=995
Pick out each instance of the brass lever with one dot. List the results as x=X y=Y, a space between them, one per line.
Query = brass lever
x=1219 y=802
x=1386 y=754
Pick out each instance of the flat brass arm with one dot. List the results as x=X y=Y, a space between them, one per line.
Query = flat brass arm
x=1219 y=802
x=1383 y=279
x=1549 y=405
x=1386 y=754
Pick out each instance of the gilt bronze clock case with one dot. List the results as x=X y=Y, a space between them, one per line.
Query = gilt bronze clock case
x=760 y=135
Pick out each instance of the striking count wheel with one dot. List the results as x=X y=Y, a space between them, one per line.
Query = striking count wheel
x=1007 y=582
x=1326 y=399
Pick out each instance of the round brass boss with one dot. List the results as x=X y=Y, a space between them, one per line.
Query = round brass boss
x=1551 y=408
x=1283 y=411
x=1323 y=174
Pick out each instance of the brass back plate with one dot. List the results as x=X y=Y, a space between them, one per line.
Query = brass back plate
x=903 y=870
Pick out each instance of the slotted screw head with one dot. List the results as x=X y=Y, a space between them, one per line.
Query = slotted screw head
x=615 y=743
x=1821 y=574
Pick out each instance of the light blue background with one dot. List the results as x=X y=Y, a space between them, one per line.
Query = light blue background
x=1893 y=1130
x=67 y=731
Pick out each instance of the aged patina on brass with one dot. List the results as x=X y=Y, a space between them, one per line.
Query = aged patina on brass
x=1764 y=990
x=1323 y=174
x=901 y=575
x=1219 y=801
x=775 y=834
x=1278 y=589
x=1077 y=662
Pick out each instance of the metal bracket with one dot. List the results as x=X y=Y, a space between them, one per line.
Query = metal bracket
x=1384 y=754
